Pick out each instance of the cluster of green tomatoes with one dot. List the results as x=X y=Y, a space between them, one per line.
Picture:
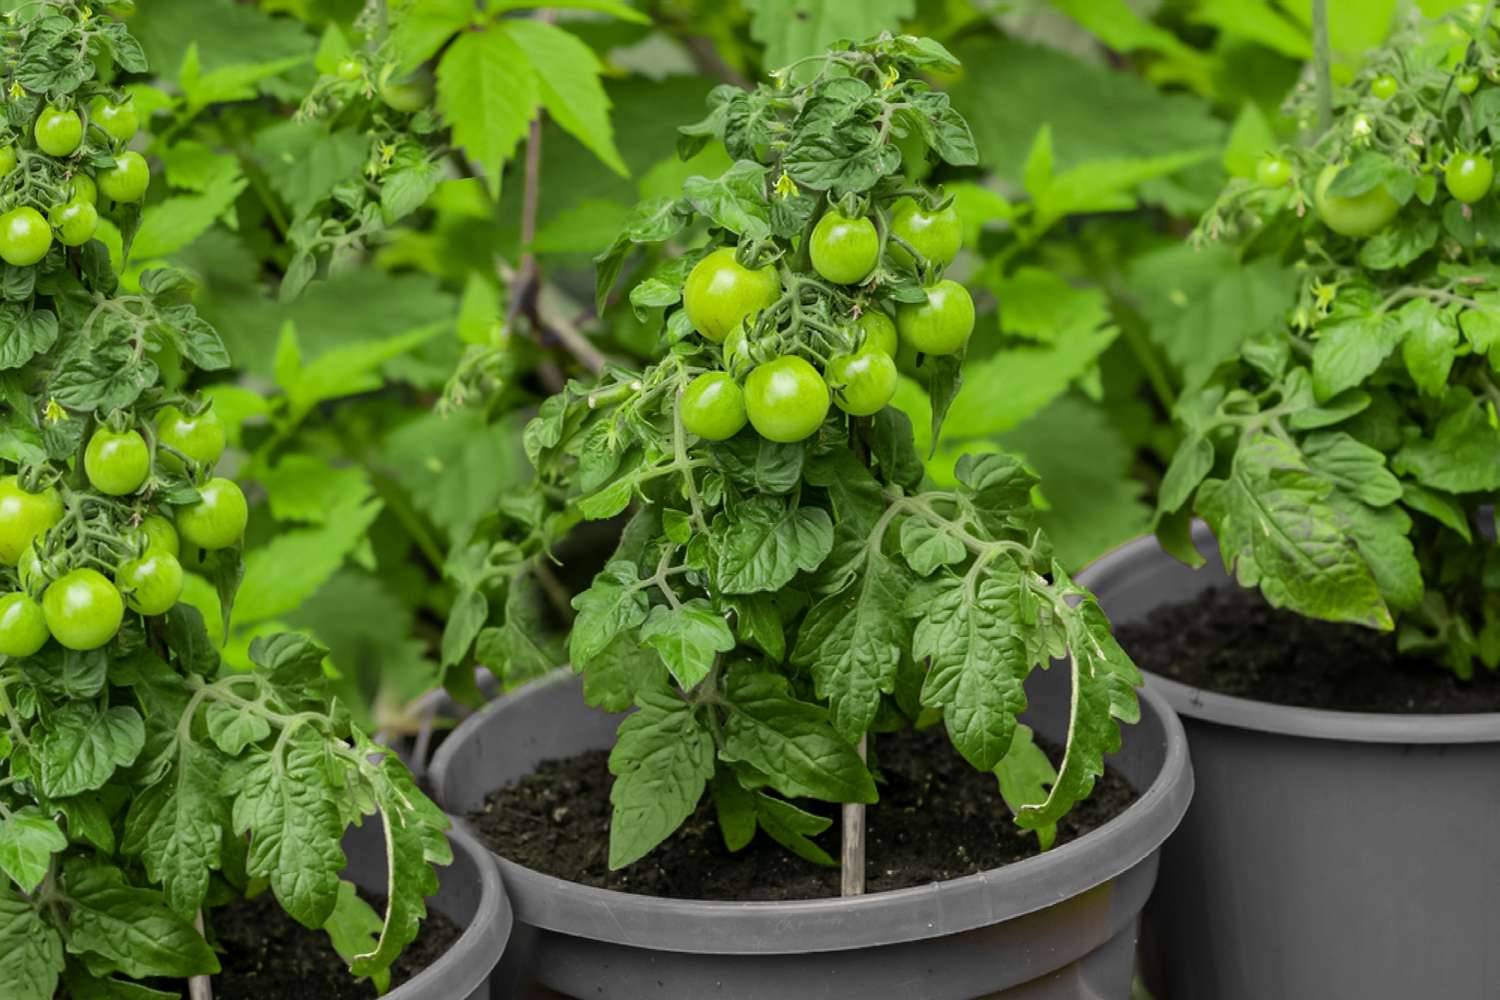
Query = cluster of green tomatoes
x=756 y=312
x=59 y=134
x=76 y=571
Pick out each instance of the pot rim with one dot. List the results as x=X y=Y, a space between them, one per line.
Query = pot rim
x=1203 y=705
x=834 y=923
x=471 y=960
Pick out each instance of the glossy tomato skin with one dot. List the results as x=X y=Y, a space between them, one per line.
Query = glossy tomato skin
x=7 y=159
x=23 y=626
x=83 y=610
x=1466 y=83
x=1273 y=172
x=127 y=180
x=942 y=324
x=862 y=382
x=152 y=583
x=1384 y=87
x=879 y=330
x=937 y=236
x=411 y=94
x=713 y=406
x=25 y=236
x=157 y=534
x=24 y=516
x=200 y=437
x=349 y=69
x=786 y=399
x=844 y=250
x=82 y=188
x=1469 y=177
x=58 y=132
x=117 y=463
x=76 y=222
x=720 y=292
x=218 y=519
x=119 y=121
x=1359 y=215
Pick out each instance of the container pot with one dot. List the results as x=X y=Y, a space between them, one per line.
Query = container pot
x=1061 y=925
x=469 y=894
x=1326 y=854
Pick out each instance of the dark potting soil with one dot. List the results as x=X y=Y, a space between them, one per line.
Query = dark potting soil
x=266 y=955
x=1230 y=641
x=937 y=819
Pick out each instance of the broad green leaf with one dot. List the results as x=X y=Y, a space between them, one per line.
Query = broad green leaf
x=568 y=83
x=1381 y=533
x=1429 y=346
x=616 y=676
x=420 y=27
x=1025 y=775
x=233 y=729
x=791 y=827
x=661 y=761
x=1040 y=305
x=614 y=603
x=1355 y=468
x=766 y=542
x=291 y=567
x=354 y=928
x=342 y=371
x=25 y=333
x=177 y=825
x=1348 y=352
x=790 y=741
x=411 y=878
x=1441 y=507
x=131 y=928
x=83 y=746
x=1462 y=455
x=1190 y=465
x=226 y=84
x=304 y=161
x=304 y=487
x=31 y=950
x=488 y=91
x=171 y=224
x=28 y=840
x=926 y=547
x=689 y=638
x=1104 y=185
x=791 y=29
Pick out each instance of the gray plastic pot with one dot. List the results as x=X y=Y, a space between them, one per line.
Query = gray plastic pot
x=469 y=894
x=1326 y=854
x=1062 y=925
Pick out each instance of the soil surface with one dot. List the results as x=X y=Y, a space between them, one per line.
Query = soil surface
x=937 y=819
x=1230 y=641
x=266 y=955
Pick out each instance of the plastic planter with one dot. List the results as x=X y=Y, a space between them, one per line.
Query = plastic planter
x=1063 y=925
x=470 y=895
x=1326 y=854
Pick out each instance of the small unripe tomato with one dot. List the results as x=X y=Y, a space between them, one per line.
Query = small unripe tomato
x=75 y=222
x=23 y=626
x=937 y=236
x=844 y=250
x=713 y=406
x=82 y=188
x=151 y=584
x=7 y=159
x=157 y=534
x=201 y=437
x=83 y=610
x=119 y=121
x=116 y=463
x=942 y=324
x=1273 y=172
x=1466 y=83
x=58 y=132
x=786 y=399
x=349 y=69
x=24 y=517
x=879 y=330
x=218 y=519
x=720 y=292
x=1384 y=87
x=1469 y=177
x=127 y=180
x=25 y=236
x=862 y=382
x=1360 y=215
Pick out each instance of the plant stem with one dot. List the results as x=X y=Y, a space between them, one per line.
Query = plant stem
x=1322 y=65
x=200 y=987
x=852 y=855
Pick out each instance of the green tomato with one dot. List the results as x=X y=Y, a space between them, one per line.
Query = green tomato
x=786 y=399
x=720 y=292
x=409 y=95
x=1273 y=172
x=844 y=250
x=349 y=69
x=152 y=583
x=1469 y=177
x=119 y=121
x=127 y=180
x=23 y=626
x=1384 y=87
x=218 y=519
x=83 y=609
x=1466 y=83
x=24 y=517
x=58 y=132
x=25 y=236
x=942 y=324
x=82 y=188
x=156 y=534
x=201 y=438
x=75 y=222
x=117 y=464
x=862 y=382
x=1358 y=215
x=935 y=235
x=7 y=159
x=879 y=330
x=713 y=406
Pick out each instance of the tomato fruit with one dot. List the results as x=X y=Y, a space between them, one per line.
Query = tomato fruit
x=116 y=463
x=218 y=519
x=156 y=534
x=23 y=627
x=1273 y=172
x=7 y=159
x=720 y=292
x=935 y=235
x=411 y=94
x=83 y=188
x=24 y=516
x=1466 y=83
x=879 y=330
x=349 y=69
x=862 y=382
x=844 y=250
x=75 y=222
x=120 y=121
x=1384 y=87
x=127 y=179
x=713 y=406
x=1357 y=215
x=1469 y=177
x=201 y=438
x=83 y=610
x=25 y=236
x=58 y=132
x=942 y=324
x=152 y=583
x=786 y=399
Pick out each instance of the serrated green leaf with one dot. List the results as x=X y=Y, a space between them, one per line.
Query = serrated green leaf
x=766 y=542
x=689 y=638
x=613 y=604
x=83 y=746
x=790 y=741
x=791 y=29
x=568 y=83
x=131 y=928
x=177 y=825
x=488 y=91
x=28 y=840
x=662 y=759
x=31 y=950
x=1025 y=776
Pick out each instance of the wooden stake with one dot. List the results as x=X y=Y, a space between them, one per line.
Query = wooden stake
x=200 y=987
x=853 y=855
